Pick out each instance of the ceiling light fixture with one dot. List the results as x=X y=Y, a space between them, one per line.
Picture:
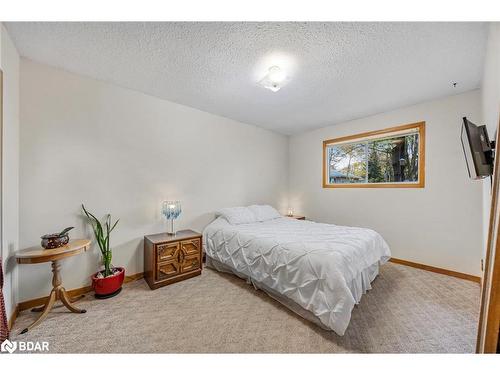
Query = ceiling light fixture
x=274 y=79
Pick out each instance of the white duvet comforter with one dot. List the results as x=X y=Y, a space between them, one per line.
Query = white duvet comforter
x=323 y=268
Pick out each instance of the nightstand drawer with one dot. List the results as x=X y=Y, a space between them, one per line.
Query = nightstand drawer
x=167 y=252
x=190 y=263
x=190 y=247
x=167 y=270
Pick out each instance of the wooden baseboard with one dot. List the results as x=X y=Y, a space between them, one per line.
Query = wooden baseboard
x=134 y=277
x=25 y=305
x=442 y=271
x=13 y=317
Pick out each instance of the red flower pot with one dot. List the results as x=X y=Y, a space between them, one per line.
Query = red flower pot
x=110 y=286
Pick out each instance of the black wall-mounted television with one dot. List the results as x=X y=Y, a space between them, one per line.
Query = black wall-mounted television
x=478 y=150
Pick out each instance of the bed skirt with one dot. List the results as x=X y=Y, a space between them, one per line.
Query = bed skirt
x=358 y=287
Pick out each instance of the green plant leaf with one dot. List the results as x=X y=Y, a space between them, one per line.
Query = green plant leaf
x=97 y=228
x=114 y=225
x=101 y=233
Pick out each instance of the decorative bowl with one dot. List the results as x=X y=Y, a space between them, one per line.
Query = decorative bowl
x=55 y=240
x=52 y=241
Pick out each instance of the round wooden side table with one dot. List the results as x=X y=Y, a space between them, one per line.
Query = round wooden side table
x=38 y=254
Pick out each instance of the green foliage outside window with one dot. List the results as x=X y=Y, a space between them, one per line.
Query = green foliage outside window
x=391 y=159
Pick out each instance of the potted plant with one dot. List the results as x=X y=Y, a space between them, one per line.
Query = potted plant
x=107 y=282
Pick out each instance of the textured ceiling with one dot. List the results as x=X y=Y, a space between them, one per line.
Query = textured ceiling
x=337 y=71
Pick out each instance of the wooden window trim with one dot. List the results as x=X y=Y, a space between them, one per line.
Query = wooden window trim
x=421 y=152
x=488 y=335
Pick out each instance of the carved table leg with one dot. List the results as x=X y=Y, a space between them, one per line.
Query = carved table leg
x=57 y=292
x=39 y=308
x=67 y=302
x=78 y=298
x=46 y=309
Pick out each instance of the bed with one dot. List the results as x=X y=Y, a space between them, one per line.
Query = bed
x=320 y=271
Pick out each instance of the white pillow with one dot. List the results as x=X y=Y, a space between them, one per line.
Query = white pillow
x=237 y=215
x=264 y=212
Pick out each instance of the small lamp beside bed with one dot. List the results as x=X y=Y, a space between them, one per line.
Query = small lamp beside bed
x=171 y=210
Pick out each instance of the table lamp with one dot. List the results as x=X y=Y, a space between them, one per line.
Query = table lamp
x=171 y=210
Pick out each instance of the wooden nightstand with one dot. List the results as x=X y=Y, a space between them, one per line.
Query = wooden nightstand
x=298 y=217
x=171 y=258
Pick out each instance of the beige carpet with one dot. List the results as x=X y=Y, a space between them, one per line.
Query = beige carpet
x=408 y=310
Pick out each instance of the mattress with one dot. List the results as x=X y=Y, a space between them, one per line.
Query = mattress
x=319 y=269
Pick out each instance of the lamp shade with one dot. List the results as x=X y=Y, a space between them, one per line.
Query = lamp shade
x=171 y=209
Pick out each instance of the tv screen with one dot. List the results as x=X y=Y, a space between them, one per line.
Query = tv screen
x=477 y=149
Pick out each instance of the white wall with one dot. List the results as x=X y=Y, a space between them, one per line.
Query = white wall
x=9 y=63
x=439 y=225
x=491 y=79
x=123 y=152
x=490 y=106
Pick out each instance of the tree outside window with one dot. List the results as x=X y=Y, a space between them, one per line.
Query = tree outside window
x=391 y=157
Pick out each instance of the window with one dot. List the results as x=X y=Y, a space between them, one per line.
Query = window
x=391 y=157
